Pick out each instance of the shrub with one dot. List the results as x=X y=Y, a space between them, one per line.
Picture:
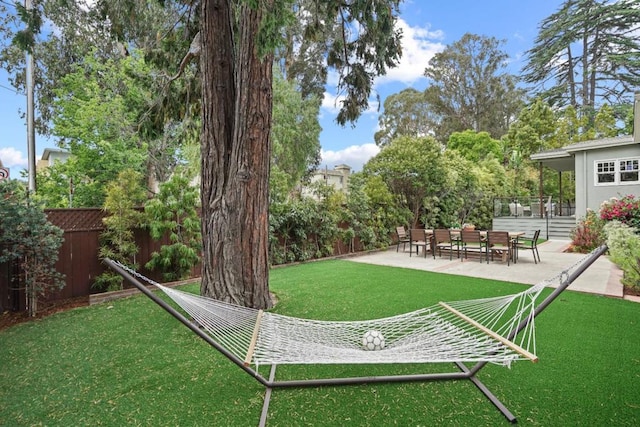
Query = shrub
x=588 y=234
x=30 y=241
x=624 y=249
x=117 y=241
x=626 y=210
x=174 y=213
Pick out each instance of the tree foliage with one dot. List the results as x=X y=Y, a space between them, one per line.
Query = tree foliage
x=413 y=170
x=469 y=88
x=28 y=239
x=475 y=146
x=406 y=113
x=295 y=133
x=586 y=54
x=96 y=110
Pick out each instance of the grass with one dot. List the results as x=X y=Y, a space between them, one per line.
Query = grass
x=129 y=363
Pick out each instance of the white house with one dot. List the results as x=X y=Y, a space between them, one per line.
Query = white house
x=52 y=155
x=338 y=177
x=604 y=168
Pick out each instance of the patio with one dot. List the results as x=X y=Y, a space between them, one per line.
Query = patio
x=603 y=277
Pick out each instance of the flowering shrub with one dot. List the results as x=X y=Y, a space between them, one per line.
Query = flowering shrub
x=626 y=210
x=588 y=234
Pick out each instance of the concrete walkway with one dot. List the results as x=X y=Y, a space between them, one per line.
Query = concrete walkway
x=603 y=277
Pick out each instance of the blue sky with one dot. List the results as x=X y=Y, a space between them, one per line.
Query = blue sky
x=428 y=26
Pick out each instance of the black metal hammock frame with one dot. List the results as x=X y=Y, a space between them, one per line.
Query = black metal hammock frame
x=464 y=372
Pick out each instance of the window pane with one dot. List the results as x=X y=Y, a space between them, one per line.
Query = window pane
x=629 y=170
x=604 y=178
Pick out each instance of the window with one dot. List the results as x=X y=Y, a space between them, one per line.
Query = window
x=622 y=171
x=605 y=172
x=629 y=170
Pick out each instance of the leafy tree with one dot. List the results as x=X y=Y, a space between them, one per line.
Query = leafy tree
x=373 y=211
x=238 y=38
x=27 y=238
x=406 y=113
x=295 y=132
x=475 y=146
x=117 y=240
x=469 y=89
x=413 y=170
x=173 y=212
x=161 y=30
x=534 y=130
x=108 y=32
x=587 y=53
x=96 y=118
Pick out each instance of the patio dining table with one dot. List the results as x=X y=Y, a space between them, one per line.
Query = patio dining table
x=513 y=236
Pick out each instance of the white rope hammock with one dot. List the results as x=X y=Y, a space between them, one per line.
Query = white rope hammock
x=464 y=331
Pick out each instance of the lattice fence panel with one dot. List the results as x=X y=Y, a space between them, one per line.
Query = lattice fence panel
x=76 y=219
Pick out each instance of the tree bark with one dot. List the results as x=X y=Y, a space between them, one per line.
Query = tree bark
x=235 y=148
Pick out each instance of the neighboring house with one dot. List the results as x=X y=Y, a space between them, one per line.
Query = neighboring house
x=50 y=156
x=338 y=177
x=604 y=168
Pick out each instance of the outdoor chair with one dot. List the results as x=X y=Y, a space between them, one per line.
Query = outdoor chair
x=442 y=239
x=472 y=241
x=419 y=239
x=530 y=244
x=499 y=243
x=402 y=238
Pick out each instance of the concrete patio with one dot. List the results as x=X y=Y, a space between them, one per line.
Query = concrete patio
x=603 y=277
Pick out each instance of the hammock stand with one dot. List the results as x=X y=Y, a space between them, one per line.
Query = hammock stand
x=464 y=373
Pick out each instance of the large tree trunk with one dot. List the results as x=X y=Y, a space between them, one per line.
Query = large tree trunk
x=236 y=148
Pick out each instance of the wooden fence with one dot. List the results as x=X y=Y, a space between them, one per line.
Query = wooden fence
x=78 y=257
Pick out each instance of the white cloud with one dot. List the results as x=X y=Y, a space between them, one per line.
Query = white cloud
x=12 y=158
x=355 y=156
x=419 y=45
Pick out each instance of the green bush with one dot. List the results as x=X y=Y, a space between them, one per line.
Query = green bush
x=30 y=241
x=624 y=249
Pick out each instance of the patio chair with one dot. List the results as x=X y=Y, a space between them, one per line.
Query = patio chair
x=516 y=209
x=499 y=243
x=403 y=238
x=442 y=239
x=418 y=238
x=472 y=241
x=529 y=244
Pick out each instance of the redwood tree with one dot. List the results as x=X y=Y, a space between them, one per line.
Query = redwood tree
x=238 y=41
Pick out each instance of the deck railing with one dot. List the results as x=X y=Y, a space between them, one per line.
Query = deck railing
x=531 y=207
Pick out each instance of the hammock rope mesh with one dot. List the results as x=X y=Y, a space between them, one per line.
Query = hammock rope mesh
x=428 y=335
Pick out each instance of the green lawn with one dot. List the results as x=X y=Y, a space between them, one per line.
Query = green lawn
x=130 y=363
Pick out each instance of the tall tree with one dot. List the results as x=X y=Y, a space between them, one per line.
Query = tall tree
x=62 y=34
x=238 y=39
x=586 y=54
x=469 y=88
x=406 y=113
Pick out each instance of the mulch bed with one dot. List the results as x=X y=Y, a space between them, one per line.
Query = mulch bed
x=10 y=318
